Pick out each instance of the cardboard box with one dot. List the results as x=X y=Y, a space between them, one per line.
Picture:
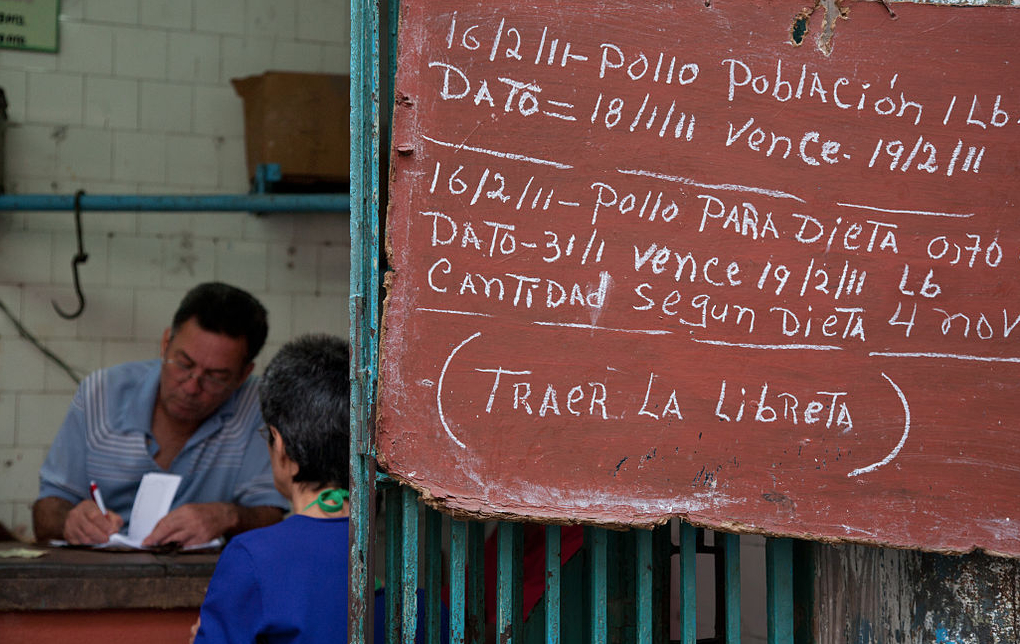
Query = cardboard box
x=300 y=121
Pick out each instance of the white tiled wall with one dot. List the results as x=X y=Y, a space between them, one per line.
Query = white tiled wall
x=138 y=101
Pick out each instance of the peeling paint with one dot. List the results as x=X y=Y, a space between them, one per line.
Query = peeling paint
x=831 y=11
x=882 y=596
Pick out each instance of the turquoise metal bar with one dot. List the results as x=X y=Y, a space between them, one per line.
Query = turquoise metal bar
x=458 y=580
x=517 y=581
x=779 y=590
x=731 y=583
x=433 y=573
x=393 y=22
x=476 y=583
x=599 y=584
x=364 y=309
x=505 y=587
x=643 y=586
x=394 y=553
x=409 y=567
x=178 y=203
x=552 y=584
x=688 y=583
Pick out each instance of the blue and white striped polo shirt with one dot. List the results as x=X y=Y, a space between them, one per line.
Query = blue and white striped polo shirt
x=107 y=438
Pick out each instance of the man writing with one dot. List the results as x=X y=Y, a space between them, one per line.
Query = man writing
x=194 y=413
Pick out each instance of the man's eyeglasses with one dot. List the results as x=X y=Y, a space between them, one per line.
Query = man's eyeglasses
x=208 y=382
x=266 y=434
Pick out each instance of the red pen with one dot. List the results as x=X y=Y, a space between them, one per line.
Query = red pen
x=97 y=496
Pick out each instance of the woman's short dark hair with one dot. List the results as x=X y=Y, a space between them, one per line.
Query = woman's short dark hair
x=305 y=395
x=222 y=308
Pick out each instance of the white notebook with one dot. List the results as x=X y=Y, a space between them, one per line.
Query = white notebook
x=152 y=502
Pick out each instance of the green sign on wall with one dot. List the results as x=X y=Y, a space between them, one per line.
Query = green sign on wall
x=29 y=24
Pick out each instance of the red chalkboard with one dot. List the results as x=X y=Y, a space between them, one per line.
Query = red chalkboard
x=719 y=260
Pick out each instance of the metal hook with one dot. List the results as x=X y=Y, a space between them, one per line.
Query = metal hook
x=80 y=258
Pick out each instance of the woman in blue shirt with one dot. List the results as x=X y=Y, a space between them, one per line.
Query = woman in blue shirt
x=288 y=582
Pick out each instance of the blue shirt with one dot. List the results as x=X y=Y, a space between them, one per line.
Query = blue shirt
x=287 y=584
x=283 y=583
x=107 y=438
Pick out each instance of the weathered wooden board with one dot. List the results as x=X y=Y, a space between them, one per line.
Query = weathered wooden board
x=877 y=595
x=655 y=260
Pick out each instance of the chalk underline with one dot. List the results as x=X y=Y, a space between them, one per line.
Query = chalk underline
x=745 y=345
x=499 y=153
x=595 y=327
x=927 y=213
x=741 y=345
x=451 y=312
x=572 y=325
x=951 y=356
x=714 y=186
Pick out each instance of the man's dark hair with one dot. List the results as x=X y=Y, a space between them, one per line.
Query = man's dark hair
x=222 y=308
x=305 y=395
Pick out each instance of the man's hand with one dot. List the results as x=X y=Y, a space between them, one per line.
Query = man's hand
x=197 y=523
x=193 y=523
x=86 y=524
x=57 y=518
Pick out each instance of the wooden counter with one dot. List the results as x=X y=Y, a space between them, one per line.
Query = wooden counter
x=81 y=595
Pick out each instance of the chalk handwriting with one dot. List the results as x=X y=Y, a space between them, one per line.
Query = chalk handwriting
x=512 y=95
x=806 y=408
x=964 y=158
x=903 y=437
x=677 y=123
x=743 y=218
x=670 y=406
x=583 y=398
x=473 y=46
x=516 y=290
x=840 y=92
x=1001 y=114
x=500 y=239
x=809 y=147
x=660 y=246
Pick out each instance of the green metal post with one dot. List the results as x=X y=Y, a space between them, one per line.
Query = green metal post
x=364 y=309
x=409 y=566
x=731 y=583
x=779 y=588
x=599 y=584
x=552 y=584
x=458 y=581
x=688 y=583
x=508 y=583
x=643 y=587
x=393 y=21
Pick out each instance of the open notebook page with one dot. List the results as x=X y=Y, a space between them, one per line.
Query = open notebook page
x=152 y=502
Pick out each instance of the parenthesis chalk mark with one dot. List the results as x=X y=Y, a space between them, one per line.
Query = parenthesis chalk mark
x=439 y=387
x=903 y=439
